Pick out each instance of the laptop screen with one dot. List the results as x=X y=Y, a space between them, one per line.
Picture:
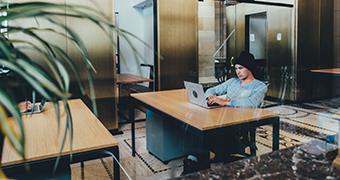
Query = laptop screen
x=43 y=102
x=195 y=93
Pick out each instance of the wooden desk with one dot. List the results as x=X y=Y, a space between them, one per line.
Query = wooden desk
x=90 y=138
x=126 y=80
x=174 y=105
x=130 y=78
x=332 y=71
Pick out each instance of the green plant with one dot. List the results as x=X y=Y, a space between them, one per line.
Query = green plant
x=53 y=83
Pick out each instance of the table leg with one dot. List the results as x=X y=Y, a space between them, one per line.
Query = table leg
x=204 y=154
x=311 y=87
x=116 y=169
x=132 y=120
x=276 y=134
x=119 y=92
x=121 y=87
x=253 y=141
x=82 y=169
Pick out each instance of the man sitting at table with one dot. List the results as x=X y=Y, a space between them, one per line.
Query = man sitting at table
x=244 y=91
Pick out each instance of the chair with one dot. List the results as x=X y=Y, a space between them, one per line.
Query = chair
x=236 y=148
x=220 y=69
x=150 y=74
x=136 y=88
x=247 y=137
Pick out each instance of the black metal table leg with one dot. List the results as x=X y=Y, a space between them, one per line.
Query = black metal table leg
x=276 y=134
x=204 y=153
x=252 y=134
x=132 y=120
x=116 y=169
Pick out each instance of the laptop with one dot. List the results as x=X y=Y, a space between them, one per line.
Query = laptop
x=196 y=95
x=38 y=108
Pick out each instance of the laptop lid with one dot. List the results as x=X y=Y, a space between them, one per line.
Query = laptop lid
x=195 y=93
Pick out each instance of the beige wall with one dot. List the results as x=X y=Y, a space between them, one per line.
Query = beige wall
x=206 y=38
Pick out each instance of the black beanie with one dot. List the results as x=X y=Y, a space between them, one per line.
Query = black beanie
x=247 y=60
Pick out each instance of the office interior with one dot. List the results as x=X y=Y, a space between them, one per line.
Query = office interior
x=198 y=41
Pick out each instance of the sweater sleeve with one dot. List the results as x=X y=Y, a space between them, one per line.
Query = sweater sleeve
x=220 y=89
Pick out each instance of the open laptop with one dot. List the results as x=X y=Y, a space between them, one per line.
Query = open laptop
x=196 y=95
x=38 y=108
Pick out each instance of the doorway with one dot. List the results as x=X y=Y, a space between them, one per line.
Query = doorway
x=256 y=41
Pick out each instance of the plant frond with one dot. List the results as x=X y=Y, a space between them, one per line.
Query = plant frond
x=53 y=85
x=18 y=142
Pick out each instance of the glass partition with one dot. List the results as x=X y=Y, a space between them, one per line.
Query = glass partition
x=263 y=30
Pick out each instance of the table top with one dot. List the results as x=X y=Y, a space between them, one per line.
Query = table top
x=335 y=71
x=104 y=88
x=176 y=104
x=43 y=140
x=130 y=78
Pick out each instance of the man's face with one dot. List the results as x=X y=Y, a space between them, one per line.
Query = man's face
x=242 y=72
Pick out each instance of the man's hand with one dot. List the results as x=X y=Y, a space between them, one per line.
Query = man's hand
x=22 y=106
x=213 y=99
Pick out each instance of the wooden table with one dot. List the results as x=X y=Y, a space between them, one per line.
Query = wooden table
x=90 y=138
x=175 y=106
x=130 y=78
x=330 y=71
x=126 y=80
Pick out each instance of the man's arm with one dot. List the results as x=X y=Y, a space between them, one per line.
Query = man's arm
x=254 y=100
x=219 y=89
x=25 y=105
x=213 y=99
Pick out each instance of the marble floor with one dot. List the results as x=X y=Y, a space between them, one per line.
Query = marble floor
x=299 y=123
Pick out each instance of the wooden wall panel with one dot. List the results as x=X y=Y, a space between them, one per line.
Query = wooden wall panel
x=177 y=42
x=97 y=43
x=101 y=55
x=100 y=51
x=41 y=23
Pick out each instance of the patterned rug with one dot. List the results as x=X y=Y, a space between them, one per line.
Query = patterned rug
x=300 y=124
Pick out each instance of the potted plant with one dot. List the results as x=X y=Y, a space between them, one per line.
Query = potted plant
x=53 y=83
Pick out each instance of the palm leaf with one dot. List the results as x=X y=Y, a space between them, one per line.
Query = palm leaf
x=18 y=142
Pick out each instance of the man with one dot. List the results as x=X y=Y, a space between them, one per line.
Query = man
x=244 y=91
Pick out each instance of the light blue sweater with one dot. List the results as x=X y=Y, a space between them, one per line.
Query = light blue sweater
x=250 y=95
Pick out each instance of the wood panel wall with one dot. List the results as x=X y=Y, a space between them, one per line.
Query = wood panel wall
x=100 y=51
x=177 y=33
